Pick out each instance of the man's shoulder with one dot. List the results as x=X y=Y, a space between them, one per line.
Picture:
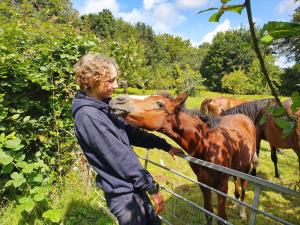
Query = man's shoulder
x=89 y=111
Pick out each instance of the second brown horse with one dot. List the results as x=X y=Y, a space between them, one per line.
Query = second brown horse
x=217 y=105
x=231 y=143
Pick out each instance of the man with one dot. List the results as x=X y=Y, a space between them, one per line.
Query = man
x=106 y=142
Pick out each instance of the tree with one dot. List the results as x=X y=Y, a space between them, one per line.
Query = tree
x=229 y=51
x=130 y=57
x=236 y=82
x=256 y=78
x=146 y=35
x=172 y=48
x=290 y=81
x=188 y=80
x=102 y=24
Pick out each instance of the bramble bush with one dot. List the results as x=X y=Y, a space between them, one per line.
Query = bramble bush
x=36 y=90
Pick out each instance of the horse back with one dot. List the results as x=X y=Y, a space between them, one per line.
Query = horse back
x=235 y=138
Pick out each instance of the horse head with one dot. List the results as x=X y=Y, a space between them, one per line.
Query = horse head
x=149 y=112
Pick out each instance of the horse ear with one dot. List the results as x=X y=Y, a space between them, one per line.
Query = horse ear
x=180 y=99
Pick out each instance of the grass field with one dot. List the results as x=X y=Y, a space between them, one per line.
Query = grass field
x=82 y=205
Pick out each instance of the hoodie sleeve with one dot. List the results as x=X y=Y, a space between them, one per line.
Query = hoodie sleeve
x=99 y=133
x=141 y=138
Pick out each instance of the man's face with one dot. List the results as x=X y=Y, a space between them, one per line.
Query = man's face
x=106 y=87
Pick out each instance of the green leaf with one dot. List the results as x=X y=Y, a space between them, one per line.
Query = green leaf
x=288 y=131
x=225 y=1
x=38 y=178
x=235 y=8
x=8 y=168
x=267 y=39
x=5 y=158
x=282 y=29
x=18 y=179
x=216 y=16
x=38 y=154
x=282 y=123
x=43 y=68
x=206 y=10
x=26 y=203
x=25 y=199
x=39 y=196
x=8 y=183
x=296 y=101
x=28 y=168
x=278 y=111
x=26 y=118
x=54 y=215
x=16 y=116
x=263 y=119
x=14 y=144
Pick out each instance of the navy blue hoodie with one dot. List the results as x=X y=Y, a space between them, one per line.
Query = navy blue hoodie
x=106 y=142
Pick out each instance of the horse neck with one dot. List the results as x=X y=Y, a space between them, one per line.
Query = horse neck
x=188 y=131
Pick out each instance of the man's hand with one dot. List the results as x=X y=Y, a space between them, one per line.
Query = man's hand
x=159 y=203
x=173 y=151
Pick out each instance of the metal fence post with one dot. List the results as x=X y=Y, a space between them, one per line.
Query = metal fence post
x=146 y=158
x=257 y=190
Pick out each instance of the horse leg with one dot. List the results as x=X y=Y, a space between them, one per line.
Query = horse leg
x=207 y=203
x=223 y=186
x=244 y=184
x=274 y=159
x=258 y=140
x=236 y=188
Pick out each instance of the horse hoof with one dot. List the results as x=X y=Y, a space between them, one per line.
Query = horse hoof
x=243 y=217
x=279 y=151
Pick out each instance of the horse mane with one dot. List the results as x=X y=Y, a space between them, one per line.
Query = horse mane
x=252 y=109
x=210 y=120
x=166 y=94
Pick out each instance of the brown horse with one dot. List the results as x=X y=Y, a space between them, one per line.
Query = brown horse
x=269 y=131
x=231 y=143
x=217 y=105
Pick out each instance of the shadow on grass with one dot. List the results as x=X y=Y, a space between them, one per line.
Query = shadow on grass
x=179 y=212
x=81 y=213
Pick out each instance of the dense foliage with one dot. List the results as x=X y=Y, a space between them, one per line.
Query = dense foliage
x=229 y=51
x=36 y=91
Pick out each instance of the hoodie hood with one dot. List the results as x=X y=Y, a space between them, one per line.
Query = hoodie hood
x=81 y=99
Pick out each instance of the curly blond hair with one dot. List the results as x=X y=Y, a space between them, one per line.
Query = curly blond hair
x=92 y=68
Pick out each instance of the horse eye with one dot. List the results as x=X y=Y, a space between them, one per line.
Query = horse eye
x=160 y=105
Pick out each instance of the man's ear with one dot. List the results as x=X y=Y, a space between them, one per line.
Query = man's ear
x=179 y=100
